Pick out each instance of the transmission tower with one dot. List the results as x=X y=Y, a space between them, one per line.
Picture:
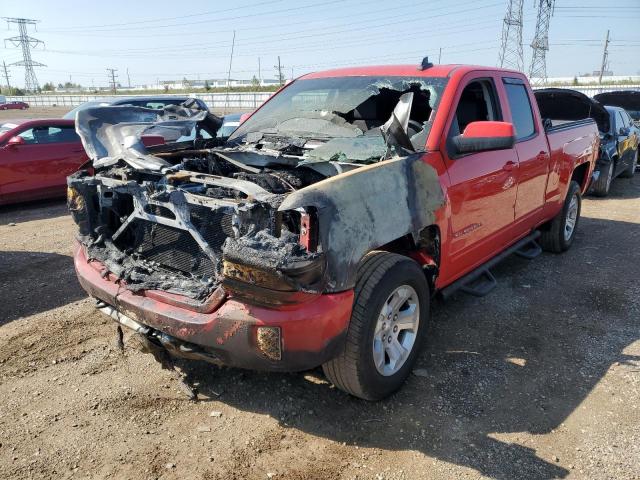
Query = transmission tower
x=26 y=42
x=540 y=43
x=511 y=49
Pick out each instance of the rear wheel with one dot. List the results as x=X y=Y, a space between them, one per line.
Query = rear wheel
x=630 y=171
x=559 y=234
x=603 y=184
x=388 y=321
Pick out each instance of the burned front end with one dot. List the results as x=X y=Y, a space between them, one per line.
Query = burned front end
x=245 y=252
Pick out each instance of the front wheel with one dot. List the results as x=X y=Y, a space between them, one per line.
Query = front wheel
x=602 y=186
x=388 y=321
x=561 y=231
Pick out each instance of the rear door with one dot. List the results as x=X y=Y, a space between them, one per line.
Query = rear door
x=482 y=190
x=625 y=141
x=531 y=147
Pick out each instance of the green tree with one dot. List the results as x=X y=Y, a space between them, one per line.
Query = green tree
x=207 y=87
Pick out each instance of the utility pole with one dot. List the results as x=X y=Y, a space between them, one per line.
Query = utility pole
x=259 y=72
x=540 y=43
x=291 y=73
x=6 y=76
x=511 y=55
x=26 y=43
x=226 y=99
x=112 y=81
x=440 y=56
x=279 y=67
x=605 y=57
x=128 y=78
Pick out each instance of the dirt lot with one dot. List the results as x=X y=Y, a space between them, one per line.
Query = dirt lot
x=541 y=379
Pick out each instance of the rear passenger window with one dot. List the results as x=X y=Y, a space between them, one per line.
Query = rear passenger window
x=521 y=111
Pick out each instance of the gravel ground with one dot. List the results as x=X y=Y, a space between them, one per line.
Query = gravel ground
x=540 y=379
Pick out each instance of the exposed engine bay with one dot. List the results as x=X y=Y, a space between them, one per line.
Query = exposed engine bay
x=274 y=213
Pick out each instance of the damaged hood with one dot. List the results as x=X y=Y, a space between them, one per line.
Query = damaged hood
x=571 y=105
x=627 y=99
x=110 y=134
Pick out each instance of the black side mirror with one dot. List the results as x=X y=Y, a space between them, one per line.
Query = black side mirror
x=624 y=131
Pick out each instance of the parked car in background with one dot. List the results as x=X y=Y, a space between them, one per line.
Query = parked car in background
x=36 y=156
x=627 y=99
x=229 y=123
x=14 y=106
x=156 y=102
x=618 y=151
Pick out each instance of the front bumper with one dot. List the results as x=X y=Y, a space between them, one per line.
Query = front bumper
x=311 y=333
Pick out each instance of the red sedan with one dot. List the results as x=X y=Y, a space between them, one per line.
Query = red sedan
x=35 y=158
x=14 y=106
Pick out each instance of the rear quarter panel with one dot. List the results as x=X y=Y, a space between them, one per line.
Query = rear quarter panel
x=569 y=148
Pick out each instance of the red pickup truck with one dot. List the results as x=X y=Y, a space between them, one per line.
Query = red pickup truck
x=319 y=231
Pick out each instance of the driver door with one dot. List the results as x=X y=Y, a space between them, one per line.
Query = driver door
x=482 y=190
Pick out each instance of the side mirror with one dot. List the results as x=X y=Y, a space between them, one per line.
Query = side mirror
x=485 y=136
x=15 y=141
x=624 y=131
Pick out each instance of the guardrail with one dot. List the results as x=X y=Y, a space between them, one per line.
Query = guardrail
x=217 y=101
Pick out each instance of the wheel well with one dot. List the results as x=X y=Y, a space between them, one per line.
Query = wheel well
x=427 y=247
x=579 y=175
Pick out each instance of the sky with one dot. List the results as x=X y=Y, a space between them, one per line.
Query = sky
x=169 y=39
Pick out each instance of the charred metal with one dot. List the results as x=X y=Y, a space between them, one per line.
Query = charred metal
x=272 y=215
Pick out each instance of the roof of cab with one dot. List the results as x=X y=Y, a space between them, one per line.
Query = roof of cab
x=441 y=71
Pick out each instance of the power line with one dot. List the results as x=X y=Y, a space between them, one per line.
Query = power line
x=279 y=68
x=605 y=56
x=26 y=42
x=6 y=76
x=511 y=55
x=112 y=79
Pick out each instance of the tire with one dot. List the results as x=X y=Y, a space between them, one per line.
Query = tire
x=630 y=171
x=601 y=187
x=381 y=276
x=556 y=237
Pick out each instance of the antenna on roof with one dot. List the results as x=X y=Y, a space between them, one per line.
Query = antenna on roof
x=425 y=64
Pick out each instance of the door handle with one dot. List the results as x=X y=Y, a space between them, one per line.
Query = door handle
x=507 y=167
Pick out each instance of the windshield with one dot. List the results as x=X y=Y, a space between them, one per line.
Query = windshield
x=345 y=113
x=71 y=115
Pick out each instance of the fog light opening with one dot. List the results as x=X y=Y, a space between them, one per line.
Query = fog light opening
x=268 y=340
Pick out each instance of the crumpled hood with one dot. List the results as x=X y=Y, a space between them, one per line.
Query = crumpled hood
x=627 y=99
x=110 y=134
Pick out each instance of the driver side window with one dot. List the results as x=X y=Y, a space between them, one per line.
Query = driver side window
x=478 y=103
